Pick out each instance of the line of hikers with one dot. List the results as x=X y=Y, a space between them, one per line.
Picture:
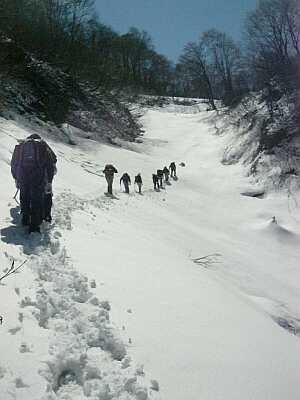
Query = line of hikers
x=161 y=174
x=164 y=174
x=33 y=167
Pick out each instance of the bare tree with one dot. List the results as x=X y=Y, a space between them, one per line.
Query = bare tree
x=224 y=57
x=195 y=61
x=273 y=33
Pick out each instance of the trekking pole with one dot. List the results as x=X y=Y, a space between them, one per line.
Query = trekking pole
x=15 y=196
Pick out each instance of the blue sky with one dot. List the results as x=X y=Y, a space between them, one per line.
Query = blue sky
x=173 y=23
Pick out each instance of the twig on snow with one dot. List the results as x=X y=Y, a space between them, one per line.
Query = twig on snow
x=12 y=269
x=206 y=261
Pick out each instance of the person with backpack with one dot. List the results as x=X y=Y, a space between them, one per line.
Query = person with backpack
x=33 y=168
x=126 y=182
x=155 y=182
x=139 y=182
x=166 y=174
x=109 y=172
x=160 y=175
x=173 y=169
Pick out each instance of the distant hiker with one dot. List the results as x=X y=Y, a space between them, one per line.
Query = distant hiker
x=173 y=169
x=126 y=182
x=109 y=172
x=160 y=175
x=155 y=181
x=166 y=174
x=139 y=182
x=33 y=168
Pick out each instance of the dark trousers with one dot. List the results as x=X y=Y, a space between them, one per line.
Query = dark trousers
x=126 y=186
x=160 y=180
x=32 y=204
x=156 y=185
x=139 y=185
x=47 y=205
x=109 y=180
x=173 y=173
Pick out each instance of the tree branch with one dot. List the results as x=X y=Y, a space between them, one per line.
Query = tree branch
x=206 y=261
x=12 y=269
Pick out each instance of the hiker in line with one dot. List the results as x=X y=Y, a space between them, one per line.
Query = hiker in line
x=139 y=182
x=155 y=182
x=109 y=172
x=166 y=174
x=33 y=168
x=173 y=169
x=160 y=175
x=126 y=182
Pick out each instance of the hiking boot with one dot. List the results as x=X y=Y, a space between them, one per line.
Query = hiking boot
x=34 y=229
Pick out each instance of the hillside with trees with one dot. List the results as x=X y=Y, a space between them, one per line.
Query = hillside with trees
x=68 y=34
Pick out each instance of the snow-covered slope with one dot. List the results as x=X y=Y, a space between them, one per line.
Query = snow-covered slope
x=204 y=330
x=268 y=146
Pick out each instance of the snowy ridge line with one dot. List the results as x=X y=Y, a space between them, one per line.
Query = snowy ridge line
x=87 y=359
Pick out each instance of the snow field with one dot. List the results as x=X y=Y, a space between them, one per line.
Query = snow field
x=205 y=325
x=203 y=332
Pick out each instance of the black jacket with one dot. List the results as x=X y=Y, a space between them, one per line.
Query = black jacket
x=125 y=178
